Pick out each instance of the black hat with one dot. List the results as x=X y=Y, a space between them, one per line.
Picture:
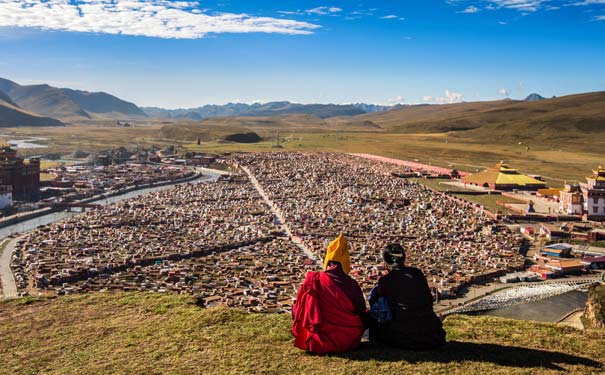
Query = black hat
x=393 y=255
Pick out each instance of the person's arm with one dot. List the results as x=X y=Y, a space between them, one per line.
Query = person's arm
x=428 y=296
x=376 y=293
x=359 y=302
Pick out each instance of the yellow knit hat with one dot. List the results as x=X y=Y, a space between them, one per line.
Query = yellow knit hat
x=338 y=251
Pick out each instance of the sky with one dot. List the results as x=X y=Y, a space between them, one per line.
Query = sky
x=182 y=54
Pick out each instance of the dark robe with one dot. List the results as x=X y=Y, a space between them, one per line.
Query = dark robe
x=414 y=325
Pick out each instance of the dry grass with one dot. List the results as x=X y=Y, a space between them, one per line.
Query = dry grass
x=143 y=333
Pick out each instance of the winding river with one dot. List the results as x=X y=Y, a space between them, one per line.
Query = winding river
x=27 y=225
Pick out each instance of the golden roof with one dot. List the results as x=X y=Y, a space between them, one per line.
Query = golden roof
x=502 y=174
x=599 y=174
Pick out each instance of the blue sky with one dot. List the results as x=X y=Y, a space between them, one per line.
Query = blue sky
x=186 y=53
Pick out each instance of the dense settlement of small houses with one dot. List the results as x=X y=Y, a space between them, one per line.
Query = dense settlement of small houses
x=220 y=241
x=84 y=181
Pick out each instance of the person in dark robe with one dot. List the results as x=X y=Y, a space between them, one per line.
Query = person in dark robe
x=413 y=324
x=330 y=308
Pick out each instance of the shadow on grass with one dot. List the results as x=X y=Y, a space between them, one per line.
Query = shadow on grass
x=456 y=351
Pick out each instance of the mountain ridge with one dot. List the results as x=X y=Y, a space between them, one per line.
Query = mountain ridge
x=276 y=108
x=68 y=104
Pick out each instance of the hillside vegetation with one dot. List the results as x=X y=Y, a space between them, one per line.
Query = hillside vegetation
x=12 y=115
x=577 y=116
x=143 y=333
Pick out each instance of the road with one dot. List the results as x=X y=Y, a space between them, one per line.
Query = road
x=9 y=288
x=277 y=212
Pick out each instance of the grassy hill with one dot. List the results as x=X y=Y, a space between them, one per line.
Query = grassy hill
x=69 y=105
x=143 y=333
x=12 y=115
x=573 y=115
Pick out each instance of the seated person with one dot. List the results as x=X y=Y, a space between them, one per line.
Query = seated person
x=413 y=324
x=330 y=308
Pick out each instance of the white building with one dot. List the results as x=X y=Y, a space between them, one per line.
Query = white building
x=6 y=196
x=594 y=195
x=571 y=200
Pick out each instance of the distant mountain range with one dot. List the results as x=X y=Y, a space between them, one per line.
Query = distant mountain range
x=67 y=104
x=265 y=109
x=74 y=106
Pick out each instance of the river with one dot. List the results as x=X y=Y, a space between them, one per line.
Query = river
x=27 y=225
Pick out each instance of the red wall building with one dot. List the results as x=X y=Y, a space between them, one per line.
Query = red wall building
x=22 y=175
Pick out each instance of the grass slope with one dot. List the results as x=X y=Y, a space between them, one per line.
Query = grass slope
x=572 y=116
x=142 y=333
x=12 y=115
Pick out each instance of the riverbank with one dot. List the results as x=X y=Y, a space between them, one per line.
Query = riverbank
x=20 y=217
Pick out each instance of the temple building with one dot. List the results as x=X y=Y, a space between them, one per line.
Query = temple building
x=594 y=195
x=23 y=176
x=571 y=200
x=503 y=177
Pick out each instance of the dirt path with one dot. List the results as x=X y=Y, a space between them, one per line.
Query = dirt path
x=277 y=212
x=9 y=287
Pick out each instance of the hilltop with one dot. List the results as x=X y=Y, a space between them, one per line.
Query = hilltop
x=157 y=334
x=67 y=104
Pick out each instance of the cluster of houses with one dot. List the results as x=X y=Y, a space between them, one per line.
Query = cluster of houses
x=558 y=260
x=576 y=199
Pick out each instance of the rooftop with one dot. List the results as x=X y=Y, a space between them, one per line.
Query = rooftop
x=502 y=174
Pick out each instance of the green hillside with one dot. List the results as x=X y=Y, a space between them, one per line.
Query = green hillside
x=577 y=116
x=141 y=333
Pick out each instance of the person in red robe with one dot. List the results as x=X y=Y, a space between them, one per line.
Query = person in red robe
x=330 y=308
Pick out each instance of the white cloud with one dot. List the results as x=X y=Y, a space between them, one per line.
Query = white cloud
x=520 y=5
x=504 y=92
x=324 y=10
x=449 y=97
x=396 y=100
x=589 y=2
x=471 y=9
x=151 y=18
x=599 y=18
x=389 y=17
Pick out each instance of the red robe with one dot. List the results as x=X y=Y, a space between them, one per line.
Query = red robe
x=324 y=318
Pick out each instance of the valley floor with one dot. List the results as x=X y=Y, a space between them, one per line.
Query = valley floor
x=556 y=160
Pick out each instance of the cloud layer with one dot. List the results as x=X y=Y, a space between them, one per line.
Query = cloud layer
x=151 y=18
